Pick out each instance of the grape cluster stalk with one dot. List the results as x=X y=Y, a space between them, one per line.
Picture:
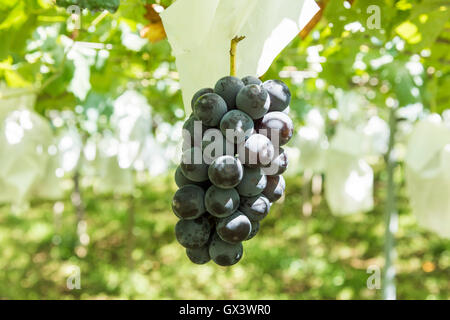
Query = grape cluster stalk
x=232 y=165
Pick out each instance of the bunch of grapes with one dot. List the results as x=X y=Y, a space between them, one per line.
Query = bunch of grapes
x=230 y=171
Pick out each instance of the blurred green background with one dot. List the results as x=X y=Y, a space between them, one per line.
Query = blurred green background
x=293 y=256
x=123 y=241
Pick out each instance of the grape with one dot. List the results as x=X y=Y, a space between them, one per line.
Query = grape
x=225 y=172
x=209 y=109
x=221 y=202
x=198 y=94
x=251 y=80
x=277 y=124
x=188 y=202
x=228 y=88
x=255 y=229
x=193 y=233
x=191 y=136
x=253 y=100
x=236 y=126
x=224 y=253
x=235 y=228
x=278 y=165
x=199 y=255
x=253 y=182
x=193 y=166
x=255 y=208
x=215 y=145
x=257 y=151
x=275 y=188
x=280 y=96
x=182 y=181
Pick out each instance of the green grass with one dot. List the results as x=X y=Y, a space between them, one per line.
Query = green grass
x=293 y=257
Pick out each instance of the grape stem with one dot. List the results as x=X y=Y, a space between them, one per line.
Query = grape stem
x=234 y=43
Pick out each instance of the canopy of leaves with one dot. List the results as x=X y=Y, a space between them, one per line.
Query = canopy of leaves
x=396 y=49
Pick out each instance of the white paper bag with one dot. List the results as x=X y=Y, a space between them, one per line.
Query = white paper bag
x=428 y=175
x=348 y=177
x=131 y=121
x=348 y=184
x=427 y=139
x=200 y=33
x=311 y=143
x=110 y=177
x=70 y=147
x=313 y=146
x=376 y=134
x=24 y=140
x=50 y=186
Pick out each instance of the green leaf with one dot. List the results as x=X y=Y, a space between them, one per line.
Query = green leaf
x=401 y=81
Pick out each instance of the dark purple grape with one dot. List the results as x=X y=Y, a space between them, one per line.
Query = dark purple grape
x=253 y=100
x=275 y=188
x=193 y=233
x=225 y=172
x=251 y=80
x=236 y=126
x=188 y=202
x=255 y=229
x=182 y=181
x=221 y=202
x=215 y=145
x=210 y=108
x=223 y=253
x=257 y=151
x=192 y=133
x=228 y=88
x=253 y=182
x=198 y=94
x=280 y=96
x=235 y=228
x=277 y=124
x=193 y=166
x=278 y=165
x=199 y=255
x=255 y=208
